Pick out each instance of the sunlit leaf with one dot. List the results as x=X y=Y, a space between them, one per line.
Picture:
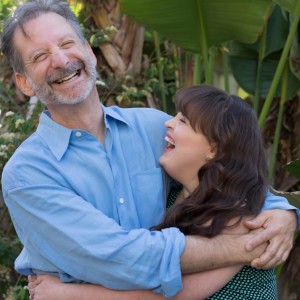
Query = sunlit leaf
x=183 y=21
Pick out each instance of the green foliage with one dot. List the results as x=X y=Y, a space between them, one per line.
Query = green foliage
x=5 y=8
x=144 y=89
x=244 y=58
x=96 y=36
x=192 y=24
x=17 y=122
x=15 y=128
x=294 y=168
x=11 y=284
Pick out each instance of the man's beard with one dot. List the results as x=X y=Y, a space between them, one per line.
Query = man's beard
x=47 y=95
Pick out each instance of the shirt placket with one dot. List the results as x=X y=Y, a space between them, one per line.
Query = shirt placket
x=123 y=193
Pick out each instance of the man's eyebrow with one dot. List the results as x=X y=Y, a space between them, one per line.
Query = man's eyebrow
x=67 y=36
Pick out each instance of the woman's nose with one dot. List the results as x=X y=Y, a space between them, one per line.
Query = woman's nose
x=170 y=123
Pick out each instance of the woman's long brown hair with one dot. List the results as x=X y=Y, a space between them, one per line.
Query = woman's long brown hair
x=233 y=184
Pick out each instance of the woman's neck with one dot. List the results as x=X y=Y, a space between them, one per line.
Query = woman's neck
x=183 y=194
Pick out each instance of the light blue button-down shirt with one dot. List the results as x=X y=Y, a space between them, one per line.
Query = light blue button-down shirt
x=83 y=211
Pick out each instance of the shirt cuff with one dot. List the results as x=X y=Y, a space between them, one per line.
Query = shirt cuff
x=170 y=273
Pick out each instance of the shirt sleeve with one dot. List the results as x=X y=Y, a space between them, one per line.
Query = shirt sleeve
x=84 y=243
x=278 y=202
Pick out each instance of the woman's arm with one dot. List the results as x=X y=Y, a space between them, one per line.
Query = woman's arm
x=195 y=287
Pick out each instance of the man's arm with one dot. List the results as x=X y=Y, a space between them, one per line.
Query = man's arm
x=67 y=235
x=272 y=230
x=75 y=238
x=226 y=249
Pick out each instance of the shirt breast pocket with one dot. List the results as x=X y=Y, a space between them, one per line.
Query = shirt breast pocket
x=149 y=196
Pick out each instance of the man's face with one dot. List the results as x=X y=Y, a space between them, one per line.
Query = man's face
x=59 y=67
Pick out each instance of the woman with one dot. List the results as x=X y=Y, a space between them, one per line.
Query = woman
x=214 y=149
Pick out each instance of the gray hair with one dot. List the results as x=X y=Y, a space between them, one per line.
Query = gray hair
x=26 y=12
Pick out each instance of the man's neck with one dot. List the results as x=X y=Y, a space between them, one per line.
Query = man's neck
x=87 y=115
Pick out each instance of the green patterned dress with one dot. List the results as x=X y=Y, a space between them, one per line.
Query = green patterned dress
x=248 y=284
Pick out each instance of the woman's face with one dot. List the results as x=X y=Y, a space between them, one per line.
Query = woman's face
x=186 y=152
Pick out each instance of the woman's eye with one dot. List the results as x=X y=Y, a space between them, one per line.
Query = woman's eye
x=183 y=120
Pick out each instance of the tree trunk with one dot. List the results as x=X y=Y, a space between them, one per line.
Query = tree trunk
x=123 y=53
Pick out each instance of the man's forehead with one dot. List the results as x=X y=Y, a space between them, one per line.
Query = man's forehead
x=43 y=28
x=43 y=24
x=40 y=32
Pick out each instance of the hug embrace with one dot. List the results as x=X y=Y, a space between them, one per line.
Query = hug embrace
x=88 y=192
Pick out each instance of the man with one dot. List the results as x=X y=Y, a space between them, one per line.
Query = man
x=83 y=190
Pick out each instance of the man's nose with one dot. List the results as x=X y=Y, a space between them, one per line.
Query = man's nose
x=59 y=60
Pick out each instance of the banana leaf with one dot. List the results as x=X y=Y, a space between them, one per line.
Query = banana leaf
x=195 y=25
x=243 y=62
x=288 y=5
x=293 y=168
x=244 y=58
x=277 y=31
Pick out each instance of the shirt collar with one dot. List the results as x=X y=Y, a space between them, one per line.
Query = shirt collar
x=57 y=137
x=114 y=112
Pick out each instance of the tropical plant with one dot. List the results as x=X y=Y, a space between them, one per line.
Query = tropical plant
x=258 y=36
x=201 y=26
x=261 y=39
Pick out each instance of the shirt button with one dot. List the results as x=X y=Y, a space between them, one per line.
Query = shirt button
x=78 y=133
x=121 y=200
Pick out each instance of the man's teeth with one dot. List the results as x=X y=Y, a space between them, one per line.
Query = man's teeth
x=66 y=78
x=170 y=142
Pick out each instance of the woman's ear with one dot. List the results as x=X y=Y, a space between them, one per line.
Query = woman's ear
x=212 y=151
x=24 y=85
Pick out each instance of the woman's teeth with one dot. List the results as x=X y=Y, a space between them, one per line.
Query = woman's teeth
x=171 y=143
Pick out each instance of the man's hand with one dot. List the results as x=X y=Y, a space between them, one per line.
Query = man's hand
x=279 y=228
x=45 y=287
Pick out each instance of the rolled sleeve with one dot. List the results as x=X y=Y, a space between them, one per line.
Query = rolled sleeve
x=171 y=280
x=278 y=202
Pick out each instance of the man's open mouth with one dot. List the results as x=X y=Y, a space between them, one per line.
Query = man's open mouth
x=70 y=77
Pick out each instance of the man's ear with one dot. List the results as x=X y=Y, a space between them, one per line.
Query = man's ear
x=24 y=85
